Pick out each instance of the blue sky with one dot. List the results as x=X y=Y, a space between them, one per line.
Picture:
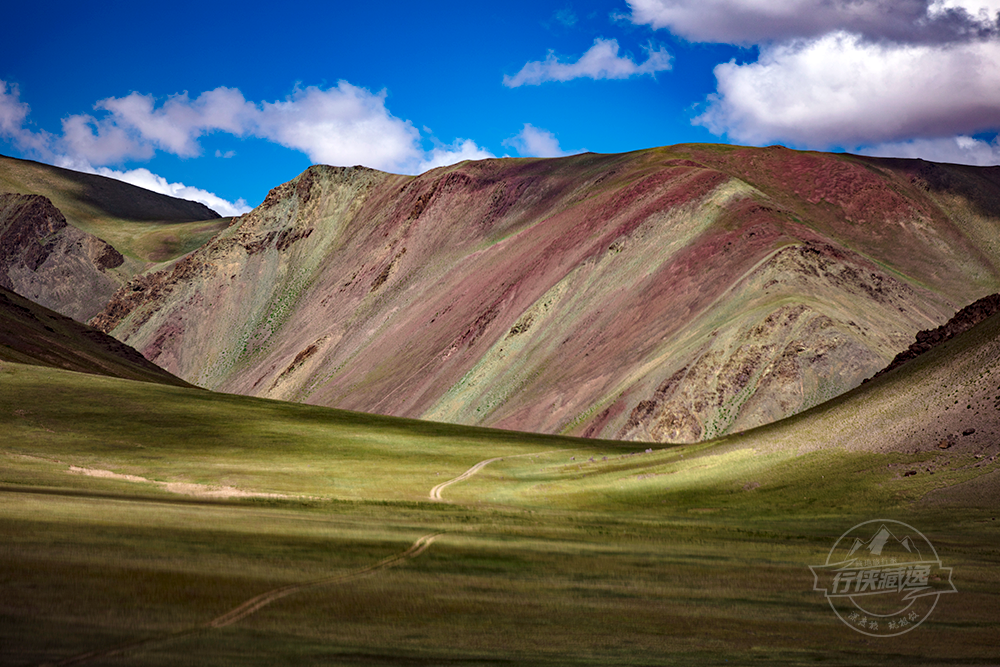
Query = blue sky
x=221 y=102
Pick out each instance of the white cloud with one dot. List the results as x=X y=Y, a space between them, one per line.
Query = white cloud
x=533 y=141
x=345 y=125
x=840 y=90
x=13 y=114
x=459 y=151
x=761 y=21
x=101 y=141
x=342 y=125
x=601 y=61
x=12 y=110
x=227 y=154
x=176 y=125
x=955 y=150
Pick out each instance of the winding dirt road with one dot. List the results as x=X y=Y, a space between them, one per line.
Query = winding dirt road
x=256 y=603
x=436 y=491
x=264 y=599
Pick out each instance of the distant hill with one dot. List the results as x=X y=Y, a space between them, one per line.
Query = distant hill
x=32 y=334
x=139 y=223
x=673 y=294
x=58 y=265
x=69 y=240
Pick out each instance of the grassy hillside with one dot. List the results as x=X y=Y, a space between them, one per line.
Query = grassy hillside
x=140 y=224
x=674 y=294
x=148 y=524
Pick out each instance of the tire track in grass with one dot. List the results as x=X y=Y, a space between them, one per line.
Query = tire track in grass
x=252 y=605
x=264 y=599
x=435 y=493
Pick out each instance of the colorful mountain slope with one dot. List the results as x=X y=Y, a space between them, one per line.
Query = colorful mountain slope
x=673 y=294
x=696 y=551
x=944 y=403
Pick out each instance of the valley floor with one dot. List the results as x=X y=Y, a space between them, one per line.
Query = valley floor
x=381 y=541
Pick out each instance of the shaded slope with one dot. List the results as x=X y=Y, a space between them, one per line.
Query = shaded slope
x=33 y=334
x=670 y=294
x=140 y=224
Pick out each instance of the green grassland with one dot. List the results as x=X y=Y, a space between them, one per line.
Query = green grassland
x=565 y=552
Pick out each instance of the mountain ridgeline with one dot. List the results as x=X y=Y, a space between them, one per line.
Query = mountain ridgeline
x=672 y=294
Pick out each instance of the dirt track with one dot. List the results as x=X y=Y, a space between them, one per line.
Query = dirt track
x=436 y=491
x=252 y=605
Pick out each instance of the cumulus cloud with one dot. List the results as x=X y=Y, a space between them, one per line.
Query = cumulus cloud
x=761 y=21
x=101 y=141
x=840 y=90
x=13 y=114
x=601 y=61
x=341 y=125
x=178 y=122
x=956 y=150
x=533 y=141
x=459 y=151
x=12 y=110
x=345 y=125
x=919 y=74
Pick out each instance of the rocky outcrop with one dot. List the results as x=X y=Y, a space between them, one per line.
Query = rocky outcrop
x=962 y=321
x=53 y=263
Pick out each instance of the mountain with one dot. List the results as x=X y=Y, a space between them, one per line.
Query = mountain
x=943 y=406
x=140 y=519
x=673 y=294
x=34 y=335
x=69 y=240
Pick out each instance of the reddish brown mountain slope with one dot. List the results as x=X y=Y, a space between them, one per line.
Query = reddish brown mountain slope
x=669 y=294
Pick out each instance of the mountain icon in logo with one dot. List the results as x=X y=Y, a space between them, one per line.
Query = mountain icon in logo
x=884 y=543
